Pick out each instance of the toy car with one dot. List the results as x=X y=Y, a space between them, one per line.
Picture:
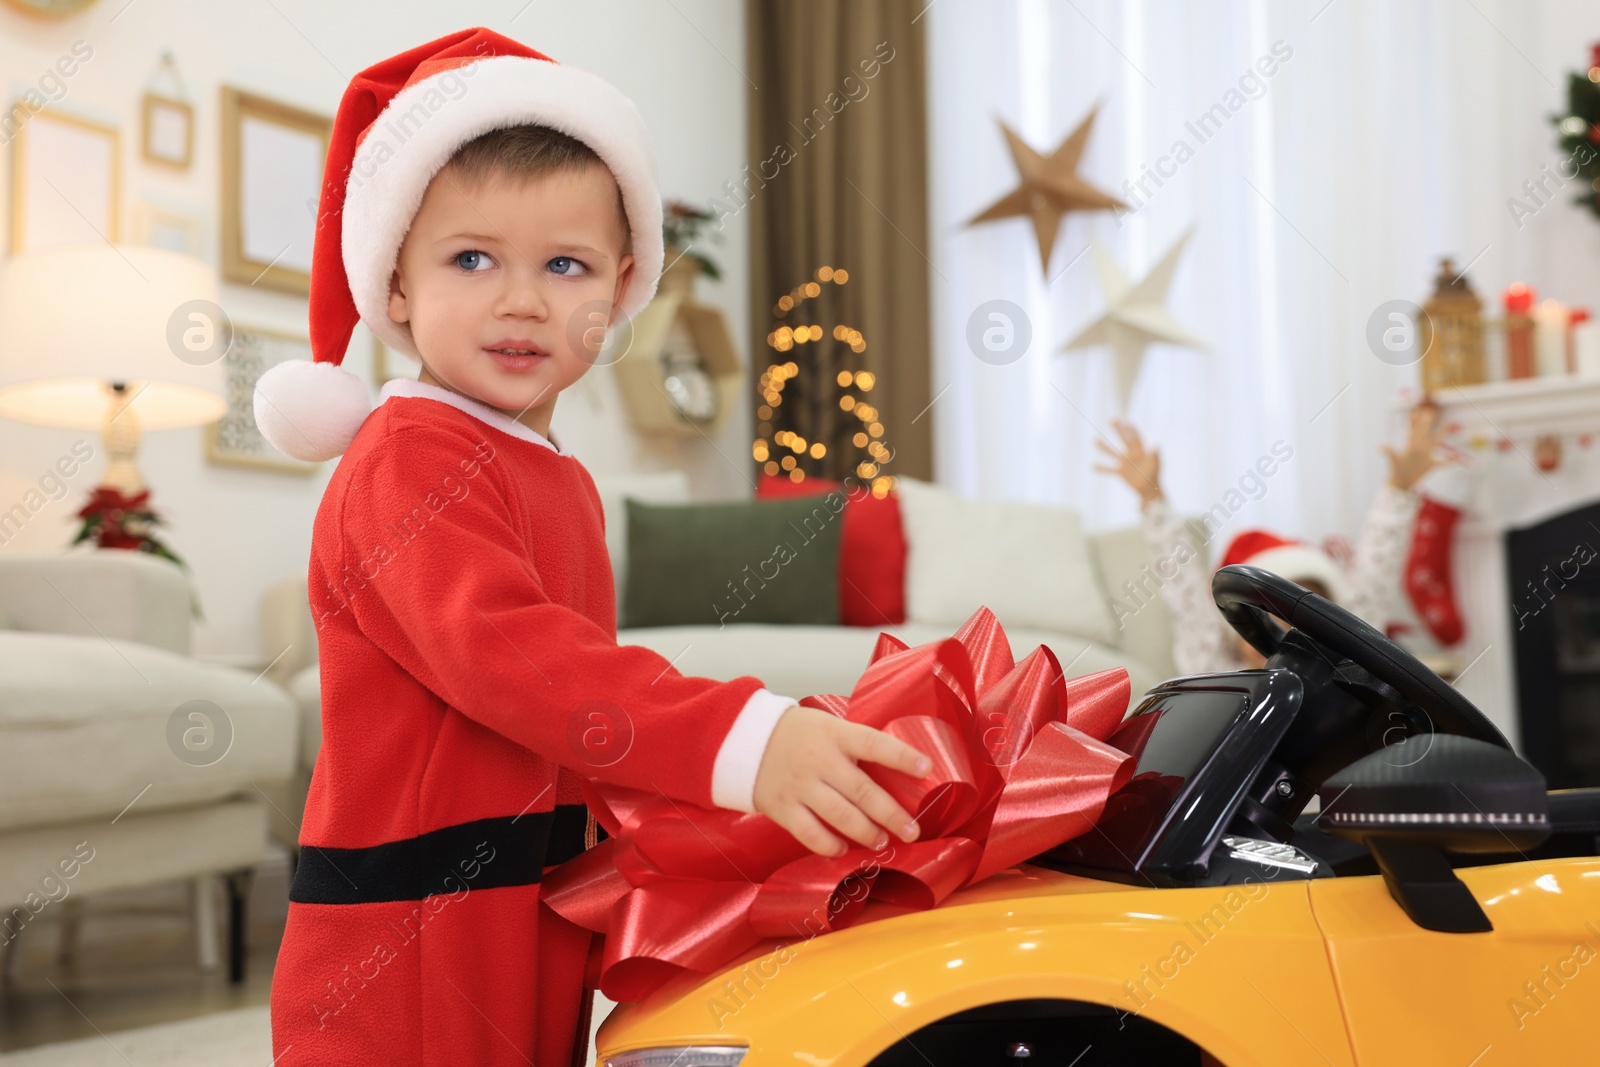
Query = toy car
x=1441 y=908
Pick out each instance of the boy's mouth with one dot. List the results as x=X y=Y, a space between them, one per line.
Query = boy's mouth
x=516 y=356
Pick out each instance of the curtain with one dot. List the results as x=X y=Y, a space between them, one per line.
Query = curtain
x=838 y=180
x=1385 y=136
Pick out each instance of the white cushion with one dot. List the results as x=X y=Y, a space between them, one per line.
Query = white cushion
x=84 y=729
x=652 y=487
x=288 y=635
x=306 y=688
x=1123 y=558
x=797 y=661
x=1028 y=563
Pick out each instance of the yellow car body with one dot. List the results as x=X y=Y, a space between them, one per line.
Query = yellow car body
x=1205 y=921
x=1309 y=971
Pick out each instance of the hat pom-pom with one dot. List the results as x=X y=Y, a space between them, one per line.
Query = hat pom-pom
x=310 y=410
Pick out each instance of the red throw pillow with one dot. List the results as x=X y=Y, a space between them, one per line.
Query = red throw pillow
x=872 y=549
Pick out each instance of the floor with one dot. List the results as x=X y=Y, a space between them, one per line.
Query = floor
x=136 y=965
x=240 y=1037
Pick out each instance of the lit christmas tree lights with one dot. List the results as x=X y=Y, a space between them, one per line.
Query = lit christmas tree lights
x=817 y=417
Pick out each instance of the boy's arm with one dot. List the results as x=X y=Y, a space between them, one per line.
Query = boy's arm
x=461 y=608
x=1202 y=640
x=1379 y=549
x=1385 y=534
x=733 y=772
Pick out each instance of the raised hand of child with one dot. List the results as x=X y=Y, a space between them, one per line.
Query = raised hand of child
x=1408 y=465
x=808 y=774
x=1141 y=469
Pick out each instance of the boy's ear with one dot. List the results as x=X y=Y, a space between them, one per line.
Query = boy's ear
x=624 y=276
x=397 y=299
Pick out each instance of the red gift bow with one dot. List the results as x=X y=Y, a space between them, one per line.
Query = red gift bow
x=1020 y=764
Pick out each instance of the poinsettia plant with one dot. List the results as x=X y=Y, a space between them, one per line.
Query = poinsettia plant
x=114 y=519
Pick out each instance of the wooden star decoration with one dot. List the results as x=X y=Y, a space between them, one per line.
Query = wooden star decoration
x=1050 y=189
x=1134 y=316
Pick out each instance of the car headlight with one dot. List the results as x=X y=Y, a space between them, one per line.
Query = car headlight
x=680 y=1056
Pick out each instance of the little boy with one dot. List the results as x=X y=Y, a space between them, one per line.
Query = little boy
x=491 y=213
x=1203 y=641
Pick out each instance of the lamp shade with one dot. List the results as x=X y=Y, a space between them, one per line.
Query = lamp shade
x=74 y=317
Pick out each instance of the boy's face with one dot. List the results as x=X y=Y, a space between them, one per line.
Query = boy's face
x=535 y=264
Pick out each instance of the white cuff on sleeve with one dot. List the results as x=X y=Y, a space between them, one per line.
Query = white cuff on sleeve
x=1392 y=502
x=733 y=774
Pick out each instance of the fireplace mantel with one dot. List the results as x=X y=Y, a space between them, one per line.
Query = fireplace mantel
x=1558 y=404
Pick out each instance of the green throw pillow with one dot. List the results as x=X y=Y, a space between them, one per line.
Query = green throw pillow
x=746 y=561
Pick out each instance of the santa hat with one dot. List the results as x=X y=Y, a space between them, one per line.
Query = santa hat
x=398 y=123
x=1293 y=560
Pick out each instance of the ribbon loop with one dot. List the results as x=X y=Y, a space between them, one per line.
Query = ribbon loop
x=1021 y=763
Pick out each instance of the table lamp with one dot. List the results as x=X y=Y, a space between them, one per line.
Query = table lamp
x=116 y=337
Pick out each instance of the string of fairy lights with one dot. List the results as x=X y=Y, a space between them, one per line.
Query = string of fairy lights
x=785 y=451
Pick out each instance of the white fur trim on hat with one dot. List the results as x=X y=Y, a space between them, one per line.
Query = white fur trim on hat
x=310 y=411
x=1296 y=562
x=424 y=125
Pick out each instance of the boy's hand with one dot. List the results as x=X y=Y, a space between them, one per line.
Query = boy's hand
x=1139 y=468
x=809 y=774
x=1407 y=467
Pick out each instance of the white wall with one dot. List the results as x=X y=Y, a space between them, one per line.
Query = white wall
x=241 y=530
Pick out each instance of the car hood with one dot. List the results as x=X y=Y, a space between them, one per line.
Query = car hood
x=665 y=1011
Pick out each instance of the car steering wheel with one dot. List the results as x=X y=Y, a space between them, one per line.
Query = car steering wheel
x=1247 y=596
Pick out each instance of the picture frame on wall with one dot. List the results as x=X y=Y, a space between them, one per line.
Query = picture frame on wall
x=166 y=134
x=272 y=158
x=234 y=440
x=66 y=180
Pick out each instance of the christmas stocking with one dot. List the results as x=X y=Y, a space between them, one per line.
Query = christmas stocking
x=1427 y=574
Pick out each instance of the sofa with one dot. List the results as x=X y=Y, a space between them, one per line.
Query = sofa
x=124 y=760
x=798 y=660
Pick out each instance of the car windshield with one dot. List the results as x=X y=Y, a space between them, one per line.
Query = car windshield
x=1173 y=735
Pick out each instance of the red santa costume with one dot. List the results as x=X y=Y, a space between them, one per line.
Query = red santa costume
x=467 y=625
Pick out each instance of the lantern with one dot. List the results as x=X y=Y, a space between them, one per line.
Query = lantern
x=1451 y=332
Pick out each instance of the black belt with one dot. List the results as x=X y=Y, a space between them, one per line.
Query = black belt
x=510 y=850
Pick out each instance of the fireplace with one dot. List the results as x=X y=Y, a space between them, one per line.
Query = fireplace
x=1553 y=577
x=1530 y=659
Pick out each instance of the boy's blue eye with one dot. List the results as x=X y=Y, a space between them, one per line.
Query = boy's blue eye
x=477 y=258
x=566 y=265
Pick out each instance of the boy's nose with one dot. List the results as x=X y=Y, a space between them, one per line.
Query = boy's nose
x=525 y=296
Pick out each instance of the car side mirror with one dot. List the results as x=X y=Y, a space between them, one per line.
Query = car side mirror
x=1411 y=803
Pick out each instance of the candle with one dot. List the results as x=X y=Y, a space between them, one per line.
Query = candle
x=1585 y=345
x=1575 y=318
x=1550 y=337
x=1518 y=298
